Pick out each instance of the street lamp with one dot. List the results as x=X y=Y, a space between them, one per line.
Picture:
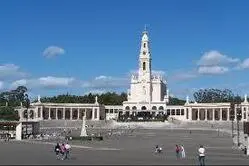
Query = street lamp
x=232 y=115
x=239 y=116
x=27 y=103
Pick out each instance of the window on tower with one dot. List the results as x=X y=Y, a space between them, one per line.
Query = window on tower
x=144 y=52
x=144 y=45
x=144 y=66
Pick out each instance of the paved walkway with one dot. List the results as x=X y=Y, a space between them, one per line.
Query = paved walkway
x=134 y=149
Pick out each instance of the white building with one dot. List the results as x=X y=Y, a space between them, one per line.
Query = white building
x=147 y=91
x=148 y=94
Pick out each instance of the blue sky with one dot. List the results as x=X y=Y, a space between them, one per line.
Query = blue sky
x=82 y=46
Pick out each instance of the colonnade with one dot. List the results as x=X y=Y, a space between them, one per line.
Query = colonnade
x=61 y=113
x=208 y=114
x=69 y=113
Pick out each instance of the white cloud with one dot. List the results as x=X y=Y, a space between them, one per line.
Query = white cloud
x=53 y=51
x=102 y=77
x=214 y=58
x=44 y=82
x=212 y=70
x=1 y=85
x=8 y=71
x=105 y=82
x=50 y=81
x=244 y=64
x=22 y=82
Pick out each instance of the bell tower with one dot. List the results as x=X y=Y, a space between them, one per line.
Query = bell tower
x=144 y=72
x=145 y=58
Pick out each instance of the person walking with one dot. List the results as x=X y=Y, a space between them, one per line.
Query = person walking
x=177 y=152
x=158 y=149
x=201 y=152
x=57 y=151
x=183 y=155
x=67 y=148
x=62 y=151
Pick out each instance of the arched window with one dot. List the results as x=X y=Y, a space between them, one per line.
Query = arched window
x=161 y=108
x=127 y=108
x=31 y=114
x=134 y=107
x=143 y=108
x=154 y=108
x=144 y=45
x=25 y=114
x=144 y=66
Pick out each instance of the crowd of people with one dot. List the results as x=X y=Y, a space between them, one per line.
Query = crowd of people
x=62 y=151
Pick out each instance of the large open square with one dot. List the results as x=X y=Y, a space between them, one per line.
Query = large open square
x=135 y=148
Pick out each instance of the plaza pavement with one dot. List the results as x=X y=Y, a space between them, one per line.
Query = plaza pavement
x=135 y=148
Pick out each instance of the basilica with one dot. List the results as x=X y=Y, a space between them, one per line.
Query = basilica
x=148 y=96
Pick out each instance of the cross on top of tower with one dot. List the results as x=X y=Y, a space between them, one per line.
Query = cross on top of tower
x=145 y=29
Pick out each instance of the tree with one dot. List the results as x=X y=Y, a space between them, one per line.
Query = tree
x=109 y=98
x=176 y=101
x=213 y=95
x=13 y=97
x=9 y=113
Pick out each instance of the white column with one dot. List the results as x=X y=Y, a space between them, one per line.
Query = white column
x=93 y=113
x=56 y=113
x=36 y=113
x=64 y=111
x=42 y=112
x=190 y=114
x=71 y=113
x=213 y=114
x=220 y=114
x=49 y=113
x=198 y=114
x=205 y=118
x=98 y=113
x=19 y=131
x=78 y=110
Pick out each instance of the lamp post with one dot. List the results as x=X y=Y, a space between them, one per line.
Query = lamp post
x=27 y=102
x=232 y=115
x=239 y=115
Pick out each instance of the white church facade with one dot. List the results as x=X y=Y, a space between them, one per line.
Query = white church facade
x=148 y=94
